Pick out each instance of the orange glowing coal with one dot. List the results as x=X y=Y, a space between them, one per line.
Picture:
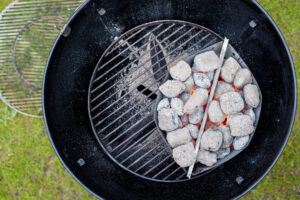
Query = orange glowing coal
x=208 y=89
x=235 y=88
x=204 y=107
x=199 y=72
x=192 y=91
x=225 y=122
x=221 y=78
x=209 y=125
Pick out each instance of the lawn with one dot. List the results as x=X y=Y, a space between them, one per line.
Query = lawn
x=29 y=168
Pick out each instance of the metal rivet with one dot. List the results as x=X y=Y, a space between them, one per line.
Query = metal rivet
x=252 y=24
x=239 y=180
x=81 y=162
x=101 y=11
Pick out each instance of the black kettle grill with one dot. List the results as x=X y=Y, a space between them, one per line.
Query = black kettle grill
x=91 y=121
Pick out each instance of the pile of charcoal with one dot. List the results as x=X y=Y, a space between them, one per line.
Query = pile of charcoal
x=231 y=115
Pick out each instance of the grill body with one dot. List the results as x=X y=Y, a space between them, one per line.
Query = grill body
x=72 y=62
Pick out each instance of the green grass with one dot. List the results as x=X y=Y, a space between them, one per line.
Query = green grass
x=29 y=168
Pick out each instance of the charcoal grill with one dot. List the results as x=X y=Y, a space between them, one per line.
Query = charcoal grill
x=68 y=110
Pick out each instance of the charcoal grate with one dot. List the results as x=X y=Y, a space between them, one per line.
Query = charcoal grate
x=123 y=91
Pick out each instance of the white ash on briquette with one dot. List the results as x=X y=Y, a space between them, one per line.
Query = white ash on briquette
x=211 y=140
x=185 y=96
x=193 y=129
x=222 y=88
x=177 y=105
x=240 y=142
x=201 y=80
x=179 y=137
x=184 y=155
x=241 y=125
x=164 y=103
x=189 y=83
x=222 y=153
x=168 y=119
x=184 y=119
x=196 y=117
x=231 y=102
x=251 y=95
x=227 y=137
x=231 y=113
x=206 y=62
x=215 y=113
x=172 y=88
x=210 y=75
x=251 y=114
x=206 y=157
x=232 y=116
x=198 y=99
x=242 y=78
x=181 y=71
x=229 y=69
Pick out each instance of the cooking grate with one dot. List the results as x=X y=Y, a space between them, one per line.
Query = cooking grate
x=28 y=30
x=123 y=90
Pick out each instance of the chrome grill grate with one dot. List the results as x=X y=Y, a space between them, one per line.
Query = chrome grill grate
x=28 y=30
x=123 y=91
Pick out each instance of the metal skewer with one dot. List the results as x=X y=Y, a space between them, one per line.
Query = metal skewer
x=212 y=92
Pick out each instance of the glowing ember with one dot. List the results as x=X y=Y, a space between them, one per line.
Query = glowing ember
x=225 y=122
x=208 y=89
x=204 y=107
x=221 y=78
x=192 y=91
x=199 y=72
x=235 y=88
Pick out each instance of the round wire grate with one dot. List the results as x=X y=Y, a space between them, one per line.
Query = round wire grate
x=28 y=30
x=123 y=90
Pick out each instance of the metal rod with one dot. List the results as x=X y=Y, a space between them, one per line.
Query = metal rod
x=179 y=177
x=149 y=161
x=141 y=148
x=114 y=130
x=165 y=178
x=164 y=169
x=155 y=166
x=132 y=136
x=211 y=95
x=139 y=140
x=144 y=155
